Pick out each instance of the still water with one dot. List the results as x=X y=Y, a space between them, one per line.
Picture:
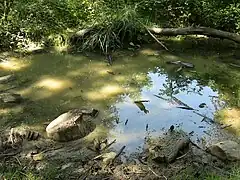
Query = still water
x=56 y=83
x=135 y=125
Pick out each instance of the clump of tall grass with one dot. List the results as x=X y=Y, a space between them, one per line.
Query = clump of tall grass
x=111 y=30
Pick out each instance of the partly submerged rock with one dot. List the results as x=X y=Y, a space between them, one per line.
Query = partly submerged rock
x=169 y=147
x=181 y=63
x=187 y=65
x=202 y=105
x=225 y=150
x=10 y=98
x=72 y=125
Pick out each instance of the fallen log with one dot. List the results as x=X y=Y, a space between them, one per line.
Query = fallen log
x=195 y=31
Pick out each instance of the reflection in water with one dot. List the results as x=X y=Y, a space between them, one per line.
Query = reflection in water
x=141 y=106
x=162 y=113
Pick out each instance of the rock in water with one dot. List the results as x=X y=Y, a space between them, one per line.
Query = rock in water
x=187 y=64
x=72 y=125
x=10 y=98
x=226 y=150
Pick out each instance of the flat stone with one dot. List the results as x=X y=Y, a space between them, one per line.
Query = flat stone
x=226 y=150
x=72 y=125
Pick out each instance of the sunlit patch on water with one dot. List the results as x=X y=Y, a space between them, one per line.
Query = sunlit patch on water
x=105 y=92
x=54 y=84
x=46 y=87
x=14 y=64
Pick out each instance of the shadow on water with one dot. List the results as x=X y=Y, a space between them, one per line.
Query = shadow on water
x=55 y=83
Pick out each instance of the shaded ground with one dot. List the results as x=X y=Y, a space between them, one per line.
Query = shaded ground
x=55 y=83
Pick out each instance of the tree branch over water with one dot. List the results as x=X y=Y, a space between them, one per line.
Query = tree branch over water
x=196 y=31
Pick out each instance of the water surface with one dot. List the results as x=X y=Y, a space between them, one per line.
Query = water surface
x=55 y=83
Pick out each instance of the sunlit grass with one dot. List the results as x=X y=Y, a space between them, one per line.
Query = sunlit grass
x=99 y=132
x=230 y=117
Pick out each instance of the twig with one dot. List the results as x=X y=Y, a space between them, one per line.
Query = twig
x=110 y=72
x=3 y=60
x=126 y=122
x=119 y=153
x=109 y=145
x=186 y=108
x=161 y=97
x=182 y=156
x=204 y=117
x=97 y=157
x=17 y=160
x=141 y=101
x=156 y=173
x=197 y=146
x=207 y=133
x=226 y=126
x=182 y=103
x=157 y=39
x=154 y=36
x=141 y=161
x=234 y=65
x=13 y=87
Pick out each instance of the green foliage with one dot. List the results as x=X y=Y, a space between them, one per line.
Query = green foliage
x=14 y=171
x=216 y=14
x=37 y=20
x=110 y=30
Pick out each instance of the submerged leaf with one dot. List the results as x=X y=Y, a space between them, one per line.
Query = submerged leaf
x=202 y=105
x=141 y=107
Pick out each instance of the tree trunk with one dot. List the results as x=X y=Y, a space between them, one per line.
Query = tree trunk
x=194 y=31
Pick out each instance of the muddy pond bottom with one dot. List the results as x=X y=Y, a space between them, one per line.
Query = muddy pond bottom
x=152 y=118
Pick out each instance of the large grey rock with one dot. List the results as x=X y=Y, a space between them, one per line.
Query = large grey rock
x=72 y=125
x=226 y=150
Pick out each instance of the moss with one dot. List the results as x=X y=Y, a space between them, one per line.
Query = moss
x=229 y=117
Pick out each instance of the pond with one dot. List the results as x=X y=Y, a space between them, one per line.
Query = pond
x=55 y=83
